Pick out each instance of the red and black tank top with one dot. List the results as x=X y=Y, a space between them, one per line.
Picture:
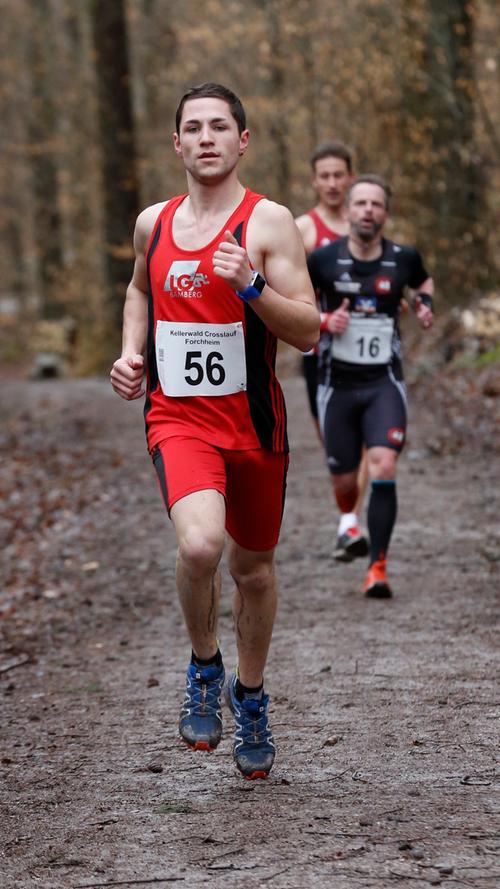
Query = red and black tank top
x=324 y=235
x=183 y=290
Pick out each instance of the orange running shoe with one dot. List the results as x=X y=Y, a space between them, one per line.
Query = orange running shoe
x=376 y=585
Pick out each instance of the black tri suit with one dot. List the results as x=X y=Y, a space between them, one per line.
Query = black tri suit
x=361 y=392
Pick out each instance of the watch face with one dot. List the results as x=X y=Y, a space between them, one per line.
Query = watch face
x=258 y=282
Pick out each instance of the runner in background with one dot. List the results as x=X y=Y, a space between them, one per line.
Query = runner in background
x=332 y=173
x=362 y=279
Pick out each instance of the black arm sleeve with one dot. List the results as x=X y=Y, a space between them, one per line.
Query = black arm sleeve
x=416 y=270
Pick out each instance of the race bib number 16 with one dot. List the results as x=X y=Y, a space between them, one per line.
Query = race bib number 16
x=365 y=341
x=200 y=359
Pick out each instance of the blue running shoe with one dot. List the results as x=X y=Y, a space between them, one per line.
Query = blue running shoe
x=254 y=749
x=200 y=722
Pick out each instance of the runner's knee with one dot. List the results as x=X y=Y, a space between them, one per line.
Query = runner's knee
x=200 y=552
x=252 y=579
x=382 y=464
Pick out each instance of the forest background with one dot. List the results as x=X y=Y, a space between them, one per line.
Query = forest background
x=87 y=111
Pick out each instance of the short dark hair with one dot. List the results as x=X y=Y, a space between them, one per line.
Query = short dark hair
x=373 y=179
x=213 y=91
x=331 y=148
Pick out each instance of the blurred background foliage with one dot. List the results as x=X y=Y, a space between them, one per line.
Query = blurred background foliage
x=87 y=107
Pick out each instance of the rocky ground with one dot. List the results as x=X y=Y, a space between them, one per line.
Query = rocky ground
x=385 y=713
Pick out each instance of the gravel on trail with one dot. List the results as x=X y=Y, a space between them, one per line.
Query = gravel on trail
x=385 y=713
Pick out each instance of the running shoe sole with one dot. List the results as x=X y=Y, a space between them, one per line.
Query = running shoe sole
x=379 y=590
x=199 y=745
x=355 y=549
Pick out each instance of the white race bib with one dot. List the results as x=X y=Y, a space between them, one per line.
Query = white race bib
x=365 y=341
x=200 y=359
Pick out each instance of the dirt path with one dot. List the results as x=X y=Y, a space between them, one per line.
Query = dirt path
x=385 y=714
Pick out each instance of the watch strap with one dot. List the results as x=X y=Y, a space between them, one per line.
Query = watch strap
x=254 y=289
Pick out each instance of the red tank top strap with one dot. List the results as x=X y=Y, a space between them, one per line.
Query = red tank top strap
x=238 y=223
x=169 y=208
x=323 y=232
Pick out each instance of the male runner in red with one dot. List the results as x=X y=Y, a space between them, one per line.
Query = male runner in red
x=332 y=174
x=362 y=279
x=219 y=275
x=331 y=164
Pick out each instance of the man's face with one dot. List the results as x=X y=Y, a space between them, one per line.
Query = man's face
x=367 y=211
x=331 y=179
x=208 y=140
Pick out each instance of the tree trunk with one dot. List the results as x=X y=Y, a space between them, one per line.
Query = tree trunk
x=20 y=285
x=279 y=123
x=442 y=162
x=120 y=193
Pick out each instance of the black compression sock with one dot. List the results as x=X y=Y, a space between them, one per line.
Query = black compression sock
x=215 y=661
x=241 y=690
x=382 y=510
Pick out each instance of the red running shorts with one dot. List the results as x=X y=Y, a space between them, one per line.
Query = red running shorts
x=253 y=483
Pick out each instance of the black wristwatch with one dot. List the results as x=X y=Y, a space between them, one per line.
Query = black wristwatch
x=425 y=299
x=254 y=289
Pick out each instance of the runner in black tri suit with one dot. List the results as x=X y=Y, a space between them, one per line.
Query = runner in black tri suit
x=361 y=395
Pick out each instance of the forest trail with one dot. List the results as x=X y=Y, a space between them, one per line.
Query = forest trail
x=385 y=713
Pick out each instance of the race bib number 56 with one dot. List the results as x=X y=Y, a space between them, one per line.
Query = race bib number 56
x=200 y=359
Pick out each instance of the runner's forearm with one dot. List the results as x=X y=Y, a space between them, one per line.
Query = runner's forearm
x=135 y=320
x=294 y=321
